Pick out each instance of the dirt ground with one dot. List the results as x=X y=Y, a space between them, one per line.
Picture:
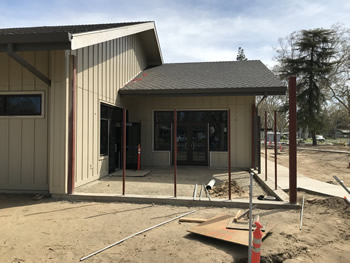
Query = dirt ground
x=317 y=165
x=61 y=231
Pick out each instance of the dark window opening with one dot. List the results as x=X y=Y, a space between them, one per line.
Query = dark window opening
x=20 y=105
x=104 y=130
x=217 y=121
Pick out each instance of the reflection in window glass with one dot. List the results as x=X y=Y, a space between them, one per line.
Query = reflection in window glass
x=162 y=130
x=217 y=121
x=20 y=105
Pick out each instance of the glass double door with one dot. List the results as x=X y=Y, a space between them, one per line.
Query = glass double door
x=192 y=144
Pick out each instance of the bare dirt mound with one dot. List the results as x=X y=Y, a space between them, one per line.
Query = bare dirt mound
x=330 y=205
x=222 y=190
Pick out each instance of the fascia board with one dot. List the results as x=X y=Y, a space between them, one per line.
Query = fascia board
x=81 y=40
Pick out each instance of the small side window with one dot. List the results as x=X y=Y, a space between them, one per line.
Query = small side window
x=20 y=105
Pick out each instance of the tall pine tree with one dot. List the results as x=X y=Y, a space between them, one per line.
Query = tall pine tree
x=240 y=55
x=311 y=60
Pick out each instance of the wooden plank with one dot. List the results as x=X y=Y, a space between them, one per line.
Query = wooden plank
x=216 y=228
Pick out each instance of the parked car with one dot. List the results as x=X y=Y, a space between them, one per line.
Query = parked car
x=320 y=138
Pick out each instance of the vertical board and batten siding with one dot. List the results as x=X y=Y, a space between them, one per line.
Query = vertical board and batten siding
x=33 y=155
x=102 y=70
x=24 y=140
x=58 y=121
x=142 y=108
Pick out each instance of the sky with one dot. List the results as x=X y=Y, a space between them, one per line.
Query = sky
x=192 y=30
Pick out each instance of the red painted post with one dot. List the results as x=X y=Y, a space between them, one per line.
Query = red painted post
x=292 y=140
x=175 y=150
x=275 y=128
x=229 y=151
x=124 y=148
x=265 y=146
x=253 y=133
x=138 y=157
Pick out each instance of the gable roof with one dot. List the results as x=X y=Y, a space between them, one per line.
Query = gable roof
x=72 y=37
x=206 y=78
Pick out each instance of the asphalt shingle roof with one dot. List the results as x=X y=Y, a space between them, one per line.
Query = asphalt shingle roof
x=73 y=29
x=52 y=34
x=244 y=77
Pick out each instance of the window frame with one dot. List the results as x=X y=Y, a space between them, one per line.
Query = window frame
x=189 y=110
x=26 y=93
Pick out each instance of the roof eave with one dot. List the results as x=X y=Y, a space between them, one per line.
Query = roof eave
x=207 y=92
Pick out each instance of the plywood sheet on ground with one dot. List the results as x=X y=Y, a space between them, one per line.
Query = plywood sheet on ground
x=216 y=228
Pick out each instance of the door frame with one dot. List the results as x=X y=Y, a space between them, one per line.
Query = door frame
x=189 y=153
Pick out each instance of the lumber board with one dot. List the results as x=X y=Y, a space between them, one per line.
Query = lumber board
x=216 y=228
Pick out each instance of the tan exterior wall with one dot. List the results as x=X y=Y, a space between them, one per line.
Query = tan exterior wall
x=102 y=70
x=141 y=109
x=24 y=141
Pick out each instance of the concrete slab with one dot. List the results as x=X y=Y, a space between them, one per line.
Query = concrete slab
x=303 y=182
x=178 y=201
x=160 y=182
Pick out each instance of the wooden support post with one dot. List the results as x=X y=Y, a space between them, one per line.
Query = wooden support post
x=229 y=151
x=292 y=140
x=124 y=148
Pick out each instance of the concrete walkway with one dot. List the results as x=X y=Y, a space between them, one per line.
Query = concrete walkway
x=303 y=182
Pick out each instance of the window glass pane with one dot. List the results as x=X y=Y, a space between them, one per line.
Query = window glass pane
x=104 y=137
x=11 y=105
x=162 y=136
x=104 y=111
x=218 y=136
x=2 y=105
x=163 y=116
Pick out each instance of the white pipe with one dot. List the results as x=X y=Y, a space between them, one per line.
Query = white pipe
x=145 y=230
x=210 y=185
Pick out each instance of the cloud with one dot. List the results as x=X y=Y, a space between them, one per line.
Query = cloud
x=194 y=30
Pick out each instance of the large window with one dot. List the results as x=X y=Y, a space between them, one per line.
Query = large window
x=162 y=130
x=21 y=105
x=216 y=120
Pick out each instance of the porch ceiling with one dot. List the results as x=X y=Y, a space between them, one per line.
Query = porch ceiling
x=206 y=78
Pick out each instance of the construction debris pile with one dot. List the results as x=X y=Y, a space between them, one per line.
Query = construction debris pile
x=222 y=190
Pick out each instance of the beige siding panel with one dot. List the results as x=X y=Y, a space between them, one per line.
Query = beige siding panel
x=58 y=137
x=142 y=109
x=15 y=147
x=27 y=158
x=23 y=140
x=102 y=70
x=4 y=153
x=28 y=81
x=4 y=71
x=40 y=153
x=15 y=75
